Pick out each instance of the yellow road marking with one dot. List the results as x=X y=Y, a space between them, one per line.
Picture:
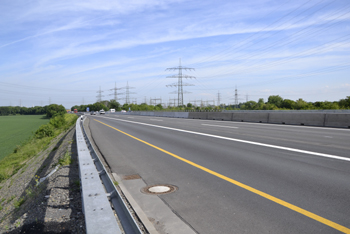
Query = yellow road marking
x=251 y=189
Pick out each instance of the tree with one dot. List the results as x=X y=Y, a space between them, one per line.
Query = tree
x=300 y=104
x=276 y=100
x=345 y=103
x=113 y=104
x=55 y=110
x=260 y=104
x=288 y=104
x=250 y=105
x=74 y=107
x=97 y=106
x=159 y=107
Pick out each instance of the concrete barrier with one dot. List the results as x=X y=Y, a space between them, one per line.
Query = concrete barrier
x=310 y=119
x=251 y=117
x=181 y=115
x=337 y=120
x=220 y=116
x=198 y=115
x=147 y=113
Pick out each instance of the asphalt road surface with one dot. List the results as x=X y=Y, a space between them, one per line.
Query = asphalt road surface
x=236 y=177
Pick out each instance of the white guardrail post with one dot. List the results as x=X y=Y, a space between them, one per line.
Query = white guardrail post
x=98 y=192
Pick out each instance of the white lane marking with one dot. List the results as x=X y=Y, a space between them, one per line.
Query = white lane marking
x=275 y=125
x=242 y=141
x=328 y=136
x=220 y=126
x=156 y=119
x=130 y=117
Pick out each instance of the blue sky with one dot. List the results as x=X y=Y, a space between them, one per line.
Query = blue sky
x=64 y=51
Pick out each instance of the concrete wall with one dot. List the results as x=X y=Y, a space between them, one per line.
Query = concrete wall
x=310 y=119
x=198 y=115
x=251 y=117
x=337 y=120
x=220 y=116
x=314 y=118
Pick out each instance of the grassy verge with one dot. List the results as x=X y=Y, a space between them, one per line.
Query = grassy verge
x=36 y=143
x=15 y=130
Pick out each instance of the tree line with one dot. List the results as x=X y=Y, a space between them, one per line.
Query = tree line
x=49 y=110
x=274 y=102
x=112 y=104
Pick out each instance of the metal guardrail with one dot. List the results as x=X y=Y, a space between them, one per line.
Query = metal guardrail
x=97 y=198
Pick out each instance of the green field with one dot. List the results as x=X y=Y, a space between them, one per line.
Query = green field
x=16 y=129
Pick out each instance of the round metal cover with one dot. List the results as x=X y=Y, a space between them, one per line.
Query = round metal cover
x=159 y=189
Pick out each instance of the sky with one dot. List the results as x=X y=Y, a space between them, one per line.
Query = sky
x=65 y=52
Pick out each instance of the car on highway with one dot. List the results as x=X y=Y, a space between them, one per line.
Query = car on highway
x=123 y=111
x=102 y=112
x=93 y=113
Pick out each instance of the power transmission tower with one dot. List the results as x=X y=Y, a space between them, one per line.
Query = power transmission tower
x=156 y=101
x=172 y=102
x=246 y=97
x=195 y=102
x=99 y=96
x=115 y=89
x=219 y=98
x=236 y=98
x=208 y=102
x=127 y=92
x=179 y=83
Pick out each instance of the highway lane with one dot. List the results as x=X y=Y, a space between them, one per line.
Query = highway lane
x=211 y=204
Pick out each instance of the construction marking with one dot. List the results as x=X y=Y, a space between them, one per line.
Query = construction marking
x=244 y=186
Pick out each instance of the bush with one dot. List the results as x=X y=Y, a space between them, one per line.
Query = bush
x=46 y=130
x=55 y=110
x=58 y=121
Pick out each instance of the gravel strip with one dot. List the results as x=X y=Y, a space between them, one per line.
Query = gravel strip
x=54 y=206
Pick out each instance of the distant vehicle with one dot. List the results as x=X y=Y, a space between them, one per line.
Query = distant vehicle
x=75 y=111
x=112 y=110
x=102 y=112
x=123 y=111
x=93 y=113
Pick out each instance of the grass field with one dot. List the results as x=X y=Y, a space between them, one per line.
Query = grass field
x=16 y=129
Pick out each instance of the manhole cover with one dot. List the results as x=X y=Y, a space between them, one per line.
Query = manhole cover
x=159 y=189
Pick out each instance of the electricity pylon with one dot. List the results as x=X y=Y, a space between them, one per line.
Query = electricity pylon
x=180 y=84
x=99 y=96
x=219 y=97
x=127 y=92
x=155 y=101
x=236 y=98
x=116 y=93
